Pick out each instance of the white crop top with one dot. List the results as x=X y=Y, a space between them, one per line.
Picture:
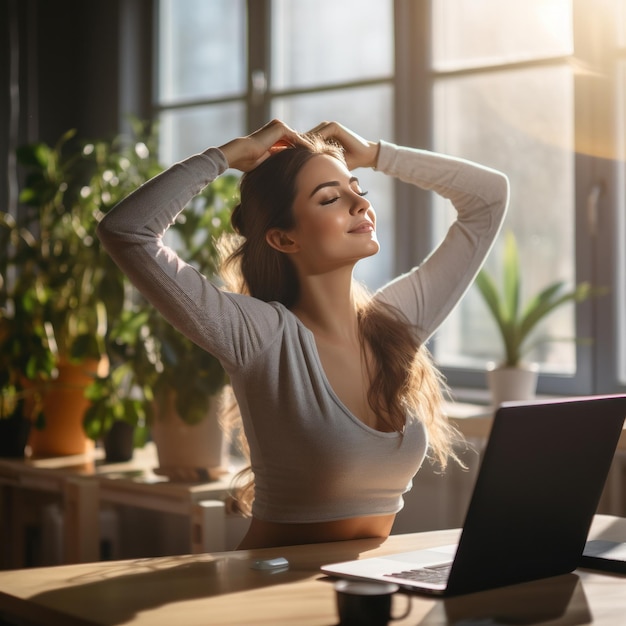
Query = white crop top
x=312 y=459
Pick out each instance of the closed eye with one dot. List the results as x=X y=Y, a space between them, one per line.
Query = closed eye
x=331 y=200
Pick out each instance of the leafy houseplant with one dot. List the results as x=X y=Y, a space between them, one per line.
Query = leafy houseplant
x=148 y=356
x=61 y=263
x=24 y=353
x=190 y=370
x=64 y=301
x=187 y=379
x=59 y=290
x=151 y=362
x=121 y=398
x=24 y=358
x=56 y=291
x=121 y=395
x=515 y=322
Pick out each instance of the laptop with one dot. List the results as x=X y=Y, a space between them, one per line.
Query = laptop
x=538 y=487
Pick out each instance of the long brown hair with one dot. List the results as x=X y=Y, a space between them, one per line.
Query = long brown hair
x=267 y=193
x=403 y=378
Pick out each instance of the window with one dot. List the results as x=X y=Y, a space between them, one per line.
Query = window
x=503 y=95
x=226 y=67
x=536 y=89
x=201 y=74
x=533 y=89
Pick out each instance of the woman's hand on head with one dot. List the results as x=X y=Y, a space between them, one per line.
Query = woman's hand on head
x=245 y=153
x=358 y=152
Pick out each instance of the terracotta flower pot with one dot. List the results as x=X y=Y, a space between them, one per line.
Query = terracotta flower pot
x=64 y=405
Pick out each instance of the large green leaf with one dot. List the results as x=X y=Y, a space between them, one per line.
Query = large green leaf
x=511 y=279
x=504 y=304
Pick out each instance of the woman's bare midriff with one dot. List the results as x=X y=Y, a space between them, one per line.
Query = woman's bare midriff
x=263 y=534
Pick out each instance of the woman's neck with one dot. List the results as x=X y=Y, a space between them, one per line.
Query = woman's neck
x=326 y=305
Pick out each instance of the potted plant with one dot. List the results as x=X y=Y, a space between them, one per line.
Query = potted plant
x=120 y=401
x=188 y=381
x=159 y=379
x=58 y=288
x=51 y=284
x=119 y=398
x=61 y=292
x=513 y=378
x=24 y=353
x=24 y=358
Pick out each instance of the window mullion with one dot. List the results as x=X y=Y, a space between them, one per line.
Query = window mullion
x=595 y=193
x=259 y=63
x=413 y=124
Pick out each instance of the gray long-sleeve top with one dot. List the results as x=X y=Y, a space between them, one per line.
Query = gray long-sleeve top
x=312 y=459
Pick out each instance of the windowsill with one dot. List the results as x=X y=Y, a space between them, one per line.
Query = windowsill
x=482 y=397
x=475 y=396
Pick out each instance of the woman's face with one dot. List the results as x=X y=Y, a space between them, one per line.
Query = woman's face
x=335 y=224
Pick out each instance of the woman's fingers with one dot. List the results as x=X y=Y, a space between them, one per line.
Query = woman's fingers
x=321 y=126
x=277 y=133
x=358 y=151
x=246 y=153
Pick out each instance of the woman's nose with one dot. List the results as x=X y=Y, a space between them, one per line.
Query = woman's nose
x=360 y=204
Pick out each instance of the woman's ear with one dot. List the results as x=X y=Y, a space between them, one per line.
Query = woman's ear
x=281 y=241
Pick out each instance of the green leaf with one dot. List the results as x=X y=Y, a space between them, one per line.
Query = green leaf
x=504 y=305
x=36 y=155
x=539 y=306
x=511 y=278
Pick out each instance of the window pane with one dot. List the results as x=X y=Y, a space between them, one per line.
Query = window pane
x=188 y=131
x=318 y=42
x=367 y=111
x=470 y=33
x=202 y=51
x=521 y=123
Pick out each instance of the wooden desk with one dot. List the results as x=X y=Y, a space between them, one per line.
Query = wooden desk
x=221 y=589
x=83 y=482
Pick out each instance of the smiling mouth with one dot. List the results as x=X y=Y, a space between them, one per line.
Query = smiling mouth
x=365 y=227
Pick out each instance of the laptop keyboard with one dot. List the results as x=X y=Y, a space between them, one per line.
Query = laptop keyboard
x=431 y=574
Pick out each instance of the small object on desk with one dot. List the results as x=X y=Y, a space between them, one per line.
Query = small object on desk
x=272 y=565
x=606 y=556
x=362 y=603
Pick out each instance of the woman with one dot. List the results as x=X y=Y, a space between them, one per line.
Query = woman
x=339 y=400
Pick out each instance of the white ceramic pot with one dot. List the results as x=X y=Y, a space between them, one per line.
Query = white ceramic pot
x=187 y=452
x=508 y=384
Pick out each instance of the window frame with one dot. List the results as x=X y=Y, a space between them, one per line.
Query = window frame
x=597 y=240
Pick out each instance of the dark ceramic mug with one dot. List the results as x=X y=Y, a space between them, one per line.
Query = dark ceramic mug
x=366 y=603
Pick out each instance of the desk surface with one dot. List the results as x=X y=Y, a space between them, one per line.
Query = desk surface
x=221 y=589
